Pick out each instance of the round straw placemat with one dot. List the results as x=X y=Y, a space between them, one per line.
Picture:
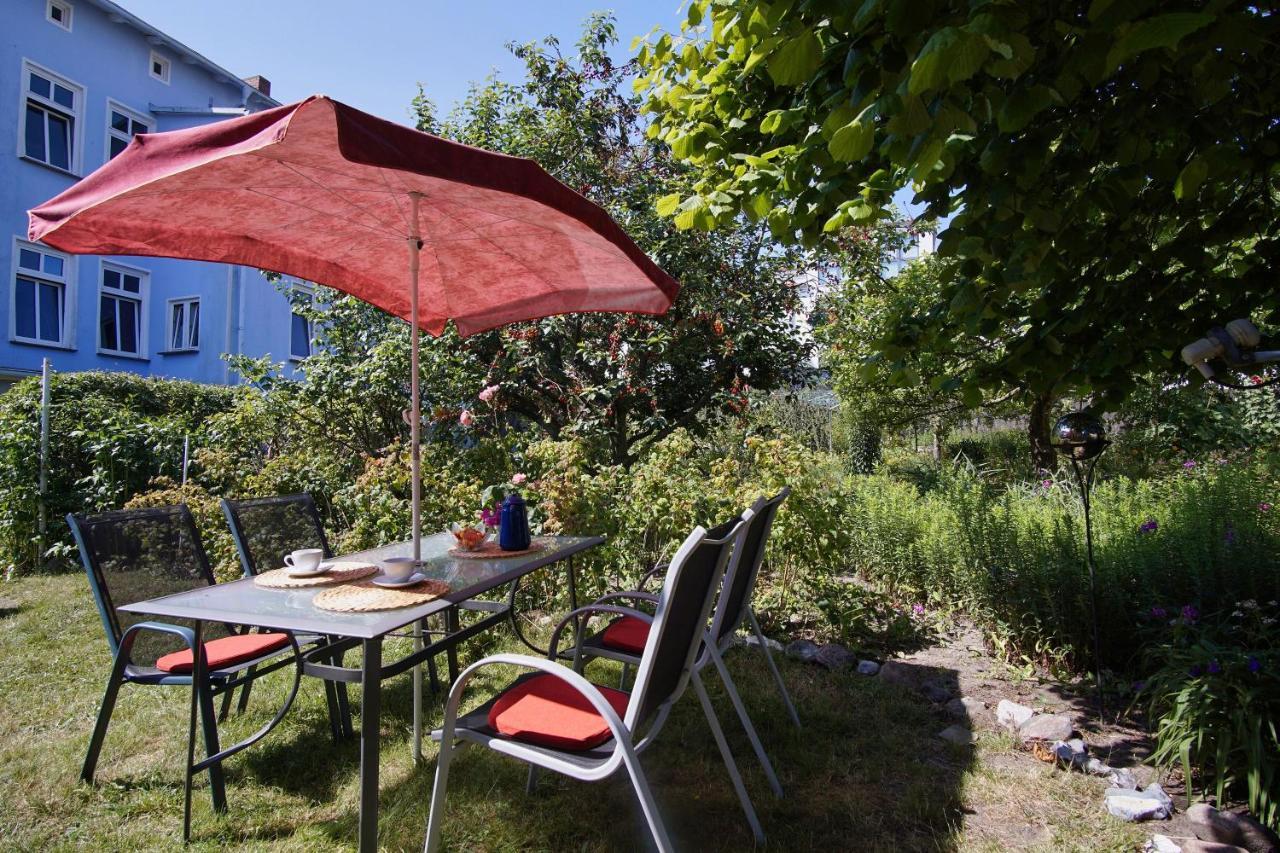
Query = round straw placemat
x=491 y=551
x=340 y=572
x=366 y=595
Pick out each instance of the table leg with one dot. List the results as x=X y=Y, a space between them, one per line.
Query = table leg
x=450 y=626
x=573 y=600
x=417 y=695
x=370 y=712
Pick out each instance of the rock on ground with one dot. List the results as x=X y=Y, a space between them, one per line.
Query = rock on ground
x=966 y=708
x=836 y=656
x=752 y=640
x=868 y=667
x=1048 y=727
x=805 y=651
x=957 y=734
x=1195 y=845
x=1011 y=715
x=1149 y=804
x=1241 y=830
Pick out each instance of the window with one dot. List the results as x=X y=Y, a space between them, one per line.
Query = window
x=299 y=335
x=184 y=325
x=122 y=125
x=159 y=67
x=51 y=112
x=301 y=298
x=120 y=310
x=40 y=296
x=59 y=12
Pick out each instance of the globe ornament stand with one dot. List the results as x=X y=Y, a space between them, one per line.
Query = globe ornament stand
x=1081 y=437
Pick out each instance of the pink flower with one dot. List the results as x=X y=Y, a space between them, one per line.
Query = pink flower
x=917 y=609
x=466 y=419
x=487 y=394
x=518 y=478
x=1264 y=507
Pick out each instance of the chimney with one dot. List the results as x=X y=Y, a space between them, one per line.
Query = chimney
x=262 y=84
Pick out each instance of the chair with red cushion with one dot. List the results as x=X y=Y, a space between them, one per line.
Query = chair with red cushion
x=624 y=637
x=134 y=555
x=553 y=718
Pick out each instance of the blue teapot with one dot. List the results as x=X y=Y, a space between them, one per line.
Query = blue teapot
x=513 y=527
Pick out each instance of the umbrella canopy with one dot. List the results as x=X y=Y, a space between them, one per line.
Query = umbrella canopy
x=322 y=191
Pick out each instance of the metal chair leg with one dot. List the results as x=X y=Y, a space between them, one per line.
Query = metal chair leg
x=436 y=816
x=532 y=782
x=243 y=704
x=729 y=763
x=773 y=667
x=226 y=704
x=622 y=679
x=647 y=803
x=210 y=724
x=732 y=689
x=104 y=717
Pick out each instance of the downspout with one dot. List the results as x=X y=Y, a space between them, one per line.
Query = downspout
x=234 y=318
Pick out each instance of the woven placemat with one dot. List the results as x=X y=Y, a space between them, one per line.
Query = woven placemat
x=491 y=551
x=366 y=595
x=341 y=572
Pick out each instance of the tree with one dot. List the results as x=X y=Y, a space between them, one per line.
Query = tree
x=1109 y=167
x=625 y=380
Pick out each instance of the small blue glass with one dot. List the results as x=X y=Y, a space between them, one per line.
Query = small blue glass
x=513 y=529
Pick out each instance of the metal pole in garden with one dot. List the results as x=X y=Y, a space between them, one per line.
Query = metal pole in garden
x=44 y=454
x=1084 y=476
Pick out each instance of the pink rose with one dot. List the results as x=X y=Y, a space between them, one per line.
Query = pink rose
x=518 y=478
x=487 y=394
x=465 y=418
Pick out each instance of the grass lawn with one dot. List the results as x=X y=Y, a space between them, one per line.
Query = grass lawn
x=865 y=773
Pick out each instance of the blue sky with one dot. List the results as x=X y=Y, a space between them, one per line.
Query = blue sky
x=372 y=55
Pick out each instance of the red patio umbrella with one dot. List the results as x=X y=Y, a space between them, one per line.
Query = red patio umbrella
x=425 y=228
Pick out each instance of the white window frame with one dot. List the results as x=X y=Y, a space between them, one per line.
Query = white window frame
x=166 y=68
x=77 y=115
x=143 y=299
x=67 y=12
x=187 y=302
x=133 y=115
x=310 y=291
x=67 y=280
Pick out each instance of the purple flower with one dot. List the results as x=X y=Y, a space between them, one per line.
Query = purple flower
x=1196 y=671
x=1189 y=613
x=1189 y=464
x=1264 y=507
x=1255 y=665
x=491 y=516
x=1149 y=526
x=1046 y=484
x=1159 y=613
x=917 y=609
x=1139 y=686
x=1215 y=668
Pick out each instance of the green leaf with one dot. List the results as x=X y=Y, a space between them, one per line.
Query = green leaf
x=966 y=57
x=837 y=119
x=695 y=14
x=758 y=206
x=852 y=142
x=1161 y=31
x=796 y=61
x=667 y=204
x=1190 y=179
x=1022 y=106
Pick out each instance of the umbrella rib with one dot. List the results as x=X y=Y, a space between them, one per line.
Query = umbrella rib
x=317 y=211
x=330 y=191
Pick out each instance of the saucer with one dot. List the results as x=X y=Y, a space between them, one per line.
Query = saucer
x=314 y=573
x=384 y=581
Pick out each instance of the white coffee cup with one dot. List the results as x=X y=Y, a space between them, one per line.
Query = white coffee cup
x=304 y=561
x=398 y=568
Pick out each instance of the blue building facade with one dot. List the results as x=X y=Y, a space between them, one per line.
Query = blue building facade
x=81 y=77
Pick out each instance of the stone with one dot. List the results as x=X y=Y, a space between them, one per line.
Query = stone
x=752 y=640
x=836 y=656
x=1152 y=803
x=1011 y=715
x=1241 y=830
x=805 y=651
x=1195 y=845
x=1161 y=844
x=7 y=606
x=935 y=692
x=957 y=734
x=896 y=672
x=1072 y=753
x=868 y=667
x=1050 y=727
x=964 y=707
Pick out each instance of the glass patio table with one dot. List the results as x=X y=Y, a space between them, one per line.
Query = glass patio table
x=242 y=602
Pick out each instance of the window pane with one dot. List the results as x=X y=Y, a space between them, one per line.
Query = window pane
x=175 y=326
x=129 y=325
x=107 y=323
x=35 y=134
x=63 y=95
x=138 y=127
x=131 y=283
x=111 y=278
x=194 y=321
x=29 y=259
x=24 y=305
x=50 y=312
x=57 y=13
x=119 y=121
x=53 y=265
x=59 y=141
x=116 y=146
x=300 y=339
x=41 y=86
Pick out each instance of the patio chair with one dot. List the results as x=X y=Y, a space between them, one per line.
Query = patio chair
x=553 y=718
x=265 y=530
x=134 y=555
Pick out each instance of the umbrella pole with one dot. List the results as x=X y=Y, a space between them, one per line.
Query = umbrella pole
x=415 y=452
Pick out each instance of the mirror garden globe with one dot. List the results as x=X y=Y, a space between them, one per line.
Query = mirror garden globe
x=1079 y=435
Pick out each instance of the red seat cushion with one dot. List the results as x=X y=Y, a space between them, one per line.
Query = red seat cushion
x=225 y=651
x=628 y=634
x=547 y=711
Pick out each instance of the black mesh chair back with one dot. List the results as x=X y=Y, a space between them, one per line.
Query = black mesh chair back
x=266 y=529
x=742 y=580
x=133 y=555
x=685 y=605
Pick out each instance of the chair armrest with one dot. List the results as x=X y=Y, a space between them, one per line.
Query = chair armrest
x=647 y=597
x=588 y=690
x=131 y=635
x=588 y=611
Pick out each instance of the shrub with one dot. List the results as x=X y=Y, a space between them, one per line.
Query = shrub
x=206 y=510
